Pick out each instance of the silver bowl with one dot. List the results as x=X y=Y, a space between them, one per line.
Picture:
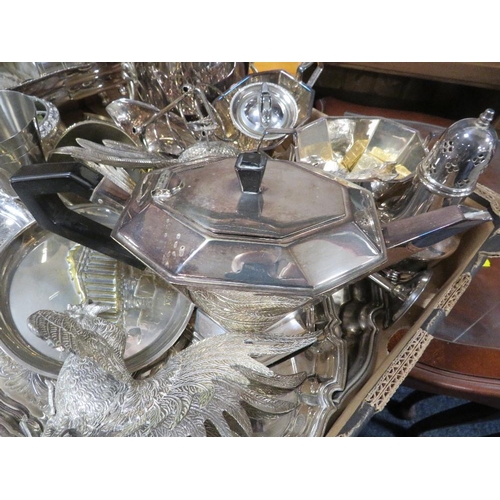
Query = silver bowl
x=376 y=153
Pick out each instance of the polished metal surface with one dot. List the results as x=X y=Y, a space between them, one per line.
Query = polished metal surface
x=14 y=215
x=260 y=106
x=50 y=125
x=62 y=83
x=161 y=83
x=114 y=153
x=94 y=130
x=379 y=154
x=248 y=260
x=336 y=365
x=102 y=142
x=192 y=394
x=194 y=226
x=16 y=420
x=20 y=142
x=339 y=361
x=166 y=134
x=401 y=295
x=265 y=100
x=124 y=156
x=24 y=71
x=151 y=312
x=262 y=259
x=449 y=173
x=26 y=387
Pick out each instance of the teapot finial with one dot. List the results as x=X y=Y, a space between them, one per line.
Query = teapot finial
x=486 y=117
x=250 y=168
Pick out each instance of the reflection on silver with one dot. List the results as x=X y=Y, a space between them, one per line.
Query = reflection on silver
x=49 y=124
x=20 y=142
x=161 y=83
x=203 y=390
x=25 y=386
x=135 y=300
x=96 y=131
x=63 y=82
x=264 y=100
x=152 y=312
x=16 y=420
x=249 y=260
x=278 y=268
x=14 y=216
x=260 y=106
x=115 y=154
x=279 y=242
x=377 y=153
x=240 y=311
x=449 y=173
x=401 y=294
x=337 y=364
x=159 y=132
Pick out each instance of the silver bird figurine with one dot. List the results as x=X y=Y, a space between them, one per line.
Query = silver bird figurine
x=212 y=387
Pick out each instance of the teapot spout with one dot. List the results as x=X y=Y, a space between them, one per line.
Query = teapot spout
x=405 y=237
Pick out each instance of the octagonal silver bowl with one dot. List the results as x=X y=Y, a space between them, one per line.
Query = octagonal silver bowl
x=377 y=153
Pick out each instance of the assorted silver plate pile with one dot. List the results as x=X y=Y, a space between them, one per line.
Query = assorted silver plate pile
x=201 y=253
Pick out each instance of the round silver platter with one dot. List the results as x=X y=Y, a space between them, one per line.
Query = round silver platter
x=40 y=270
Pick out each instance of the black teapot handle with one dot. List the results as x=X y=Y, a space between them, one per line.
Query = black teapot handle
x=38 y=186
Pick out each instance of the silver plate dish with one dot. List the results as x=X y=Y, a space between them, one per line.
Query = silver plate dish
x=377 y=153
x=41 y=270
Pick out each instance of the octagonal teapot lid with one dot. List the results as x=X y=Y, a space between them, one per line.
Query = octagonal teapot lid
x=254 y=223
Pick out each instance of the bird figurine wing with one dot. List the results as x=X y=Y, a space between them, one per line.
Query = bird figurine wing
x=115 y=154
x=212 y=387
x=81 y=332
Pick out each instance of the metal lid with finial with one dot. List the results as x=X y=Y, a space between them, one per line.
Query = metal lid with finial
x=449 y=173
x=464 y=150
x=252 y=222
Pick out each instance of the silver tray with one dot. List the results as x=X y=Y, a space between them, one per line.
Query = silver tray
x=39 y=270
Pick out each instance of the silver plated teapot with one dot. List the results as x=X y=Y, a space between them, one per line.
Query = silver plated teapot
x=248 y=239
